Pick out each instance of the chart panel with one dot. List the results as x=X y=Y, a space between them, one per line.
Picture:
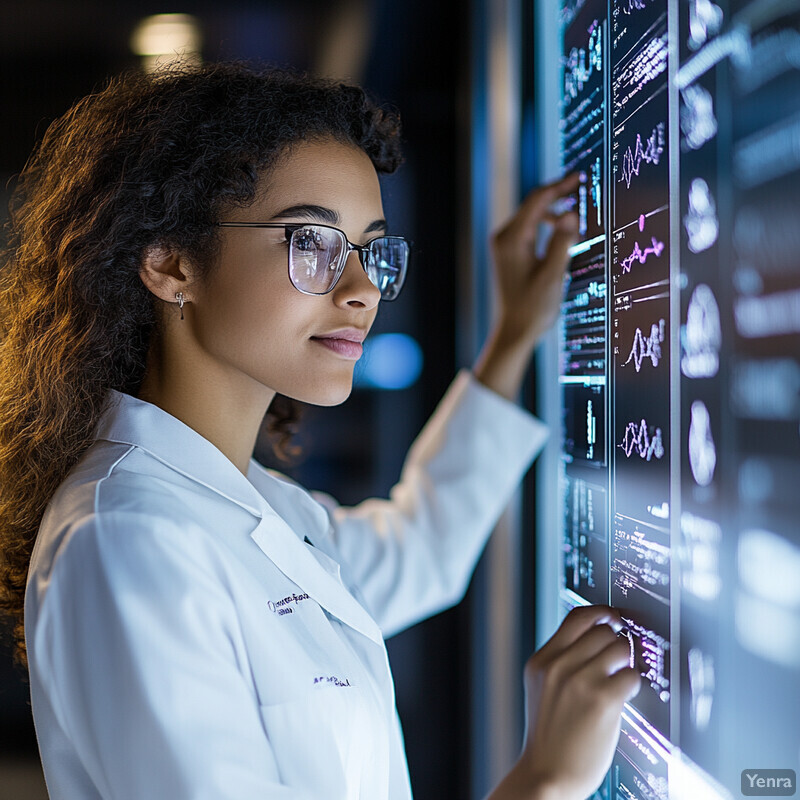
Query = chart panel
x=679 y=376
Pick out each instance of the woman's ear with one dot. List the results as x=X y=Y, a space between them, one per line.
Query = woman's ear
x=165 y=272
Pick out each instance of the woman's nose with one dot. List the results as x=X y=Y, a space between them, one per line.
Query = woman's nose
x=354 y=285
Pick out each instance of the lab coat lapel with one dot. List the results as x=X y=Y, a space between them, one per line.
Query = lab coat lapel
x=294 y=559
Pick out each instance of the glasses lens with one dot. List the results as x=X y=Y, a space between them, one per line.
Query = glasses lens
x=314 y=258
x=387 y=263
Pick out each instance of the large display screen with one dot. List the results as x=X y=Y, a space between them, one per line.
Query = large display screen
x=679 y=376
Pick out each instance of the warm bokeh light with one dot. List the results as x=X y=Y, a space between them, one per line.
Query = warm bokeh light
x=164 y=38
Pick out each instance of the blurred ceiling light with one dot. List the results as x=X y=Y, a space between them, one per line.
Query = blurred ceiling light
x=345 y=45
x=167 y=38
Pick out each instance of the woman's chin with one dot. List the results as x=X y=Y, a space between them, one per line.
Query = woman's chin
x=333 y=393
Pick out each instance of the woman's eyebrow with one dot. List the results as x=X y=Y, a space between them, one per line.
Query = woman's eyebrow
x=310 y=211
x=377 y=225
x=323 y=214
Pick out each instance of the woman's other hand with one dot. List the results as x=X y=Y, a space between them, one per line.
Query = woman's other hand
x=529 y=286
x=575 y=689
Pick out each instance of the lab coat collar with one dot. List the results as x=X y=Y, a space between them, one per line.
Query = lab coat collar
x=294 y=514
x=296 y=560
x=129 y=420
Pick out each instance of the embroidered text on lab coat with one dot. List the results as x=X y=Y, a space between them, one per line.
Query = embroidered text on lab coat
x=343 y=682
x=284 y=606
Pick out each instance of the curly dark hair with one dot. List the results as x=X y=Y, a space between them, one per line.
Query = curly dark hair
x=149 y=160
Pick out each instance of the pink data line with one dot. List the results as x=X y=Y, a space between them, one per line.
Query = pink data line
x=656 y=249
x=633 y=157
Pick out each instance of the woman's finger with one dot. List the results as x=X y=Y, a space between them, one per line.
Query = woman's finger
x=577 y=622
x=624 y=684
x=563 y=237
x=585 y=650
x=610 y=658
x=536 y=204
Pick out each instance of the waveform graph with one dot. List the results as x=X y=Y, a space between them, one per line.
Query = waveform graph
x=641 y=462
x=639 y=114
x=639 y=254
x=647 y=347
x=647 y=150
x=643 y=440
x=641 y=403
x=701 y=336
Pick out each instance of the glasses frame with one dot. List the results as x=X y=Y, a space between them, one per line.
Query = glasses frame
x=291 y=227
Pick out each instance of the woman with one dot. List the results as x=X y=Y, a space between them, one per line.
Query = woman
x=181 y=264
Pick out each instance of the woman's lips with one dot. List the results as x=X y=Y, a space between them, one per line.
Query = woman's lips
x=344 y=343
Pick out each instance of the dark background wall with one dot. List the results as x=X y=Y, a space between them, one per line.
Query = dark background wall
x=414 y=55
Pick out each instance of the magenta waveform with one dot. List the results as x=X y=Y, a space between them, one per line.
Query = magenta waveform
x=637 y=440
x=656 y=249
x=649 y=347
x=632 y=158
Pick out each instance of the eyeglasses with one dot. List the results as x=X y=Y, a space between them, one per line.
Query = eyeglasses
x=318 y=254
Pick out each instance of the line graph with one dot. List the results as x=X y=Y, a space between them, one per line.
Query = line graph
x=647 y=347
x=656 y=248
x=649 y=153
x=638 y=439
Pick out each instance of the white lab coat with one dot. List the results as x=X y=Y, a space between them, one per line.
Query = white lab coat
x=195 y=634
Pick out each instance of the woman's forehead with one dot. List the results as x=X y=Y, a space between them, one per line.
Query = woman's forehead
x=325 y=173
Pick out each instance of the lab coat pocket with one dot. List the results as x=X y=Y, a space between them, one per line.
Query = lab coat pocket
x=324 y=741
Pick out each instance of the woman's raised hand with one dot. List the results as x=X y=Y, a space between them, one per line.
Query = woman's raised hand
x=575 y=688
x=529 y=286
